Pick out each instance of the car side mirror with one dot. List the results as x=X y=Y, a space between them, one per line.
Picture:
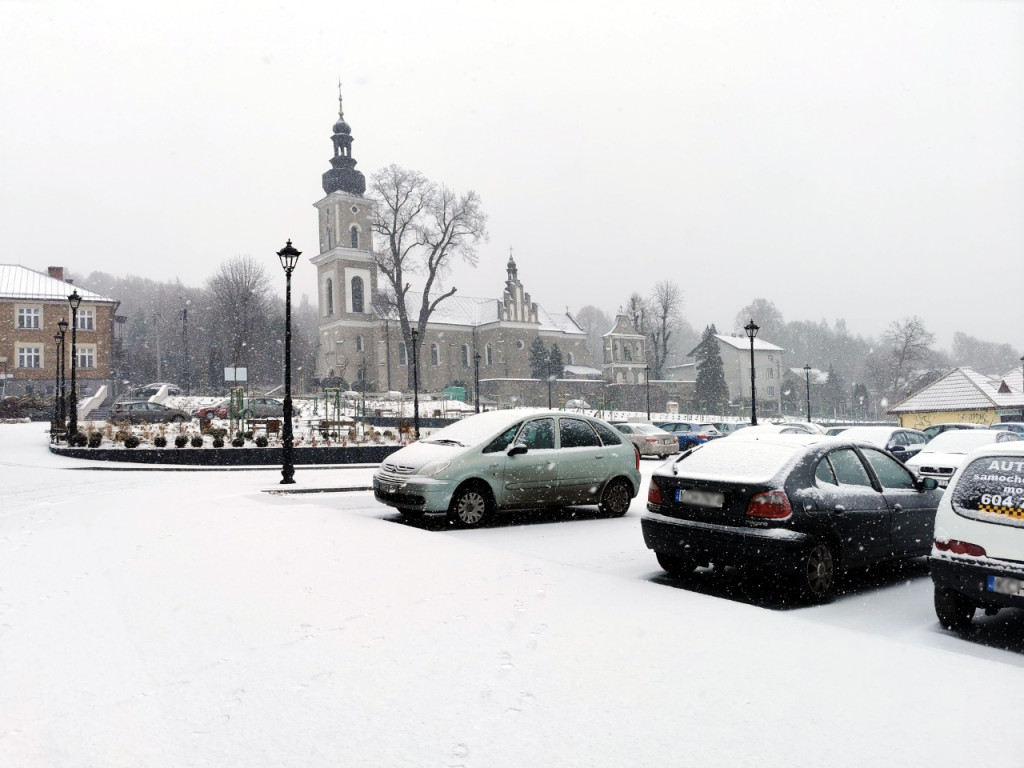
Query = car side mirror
x=928 y=484
x=517 y=449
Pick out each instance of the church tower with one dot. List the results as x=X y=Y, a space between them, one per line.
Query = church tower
x=346 y=272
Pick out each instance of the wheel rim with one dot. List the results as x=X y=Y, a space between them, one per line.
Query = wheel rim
x=617 y=498
x=820 y=570
x=470 y=509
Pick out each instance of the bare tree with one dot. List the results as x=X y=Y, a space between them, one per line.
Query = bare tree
x=767 y=317
x=911 y=346
x=241 y=292
x=596 y=323
x=636 y=311
x=423 y=226
x=665 y=310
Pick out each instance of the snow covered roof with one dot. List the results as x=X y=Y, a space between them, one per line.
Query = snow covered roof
x=816 y=375
x=18 y=282
x=581 y=370
x=473 y=311
x=962 y=389
x=742 y=342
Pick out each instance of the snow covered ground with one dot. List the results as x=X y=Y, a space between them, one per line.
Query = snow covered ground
x=193 y=618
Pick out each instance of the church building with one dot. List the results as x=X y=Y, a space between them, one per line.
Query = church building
x=360 y=338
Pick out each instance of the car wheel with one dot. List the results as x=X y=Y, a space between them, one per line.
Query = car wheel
x=616 y=498
x=955 y=611
x=470 y=506
x=410 y=514
x=676 y=565
x=247 y=414
x=817 y=576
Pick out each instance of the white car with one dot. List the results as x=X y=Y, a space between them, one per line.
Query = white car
x=977 y=558
x=945 y=452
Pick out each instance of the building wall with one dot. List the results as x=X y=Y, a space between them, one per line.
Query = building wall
x=768 y=373
x=987 y=417
x=100 y=340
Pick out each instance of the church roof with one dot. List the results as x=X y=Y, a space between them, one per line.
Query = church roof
x=963 y=389
x=474 y=311
x=18 y=282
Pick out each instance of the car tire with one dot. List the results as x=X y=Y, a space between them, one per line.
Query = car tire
x=471 y=505
x=954 y=611
x=817 y=576
x=247 y=414
x=410 y=514
x=676 y=565
x=616 y=498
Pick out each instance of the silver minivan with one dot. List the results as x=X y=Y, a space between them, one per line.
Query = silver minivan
x=511 y=459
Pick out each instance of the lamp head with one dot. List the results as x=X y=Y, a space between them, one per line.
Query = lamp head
x=63 y=325
x=751 y=330
x=57 y=337
x=289 y=257
x=807 y=368
x=74 y=299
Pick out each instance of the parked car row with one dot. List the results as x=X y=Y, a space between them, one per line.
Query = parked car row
x=146 y=412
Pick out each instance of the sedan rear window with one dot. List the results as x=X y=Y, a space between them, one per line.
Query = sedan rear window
x=992 y=489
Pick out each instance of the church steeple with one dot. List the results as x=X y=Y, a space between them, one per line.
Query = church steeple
x=343 y=176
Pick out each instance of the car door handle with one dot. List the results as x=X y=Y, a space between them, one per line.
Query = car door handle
x=840 y=509
x=897 y=508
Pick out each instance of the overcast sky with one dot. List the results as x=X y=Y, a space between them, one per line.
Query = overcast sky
x=860 y=160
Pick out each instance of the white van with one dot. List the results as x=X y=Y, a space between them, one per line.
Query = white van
x=977 y=558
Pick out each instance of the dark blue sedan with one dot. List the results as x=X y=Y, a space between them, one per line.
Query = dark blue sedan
x=690 y=433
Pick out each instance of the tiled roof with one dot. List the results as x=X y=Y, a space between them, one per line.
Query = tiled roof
x=962 y=389
x=472 y=311
x=17 y=282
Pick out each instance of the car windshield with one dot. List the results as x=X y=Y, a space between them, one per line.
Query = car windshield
x=753 y=461
x=961 y=440
x=474 y=430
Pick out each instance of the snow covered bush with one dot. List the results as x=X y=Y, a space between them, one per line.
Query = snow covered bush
x=180 y=441
x=160 y=441
x=131 y=441
x=197 y=441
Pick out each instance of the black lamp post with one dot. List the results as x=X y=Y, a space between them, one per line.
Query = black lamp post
x=549 y=381
x=75 y=301
x=63 y=326
x=752 y=330
x=415 y=385
x=55 y=430
x=476 y=380
x=647 y=381
x=807 y=376
x=289 y=258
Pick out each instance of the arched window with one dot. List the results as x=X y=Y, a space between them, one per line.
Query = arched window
x=628 y=354
x=487 y=355
x=359 y=343
x=357 y=294
x=329 y=243
x=354 y=236
x=568 y=358
x=435 y=355
x=465 y=356
x=403 y=357
x=330 y=296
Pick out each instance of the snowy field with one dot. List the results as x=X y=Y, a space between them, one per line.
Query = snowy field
x=194 y=618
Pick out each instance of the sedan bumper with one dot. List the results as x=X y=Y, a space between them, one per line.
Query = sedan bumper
x=422 y=493
x=984 y=582
x=777 y=548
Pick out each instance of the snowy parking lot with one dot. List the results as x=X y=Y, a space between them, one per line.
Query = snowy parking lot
x=204 y=618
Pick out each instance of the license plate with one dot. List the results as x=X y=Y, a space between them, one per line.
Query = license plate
x=700 y=498
x=1004 y=585
x=943 y=482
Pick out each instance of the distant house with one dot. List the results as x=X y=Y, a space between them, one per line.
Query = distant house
x=735 y=351
x=31 y=305
x=964 y=395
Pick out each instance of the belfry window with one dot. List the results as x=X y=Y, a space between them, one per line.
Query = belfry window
x=403 y=356
x=357 y=294
x=330 y=296
x=435 y=356
x=354 y=236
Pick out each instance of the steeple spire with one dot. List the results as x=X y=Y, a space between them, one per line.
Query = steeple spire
x=343 y=176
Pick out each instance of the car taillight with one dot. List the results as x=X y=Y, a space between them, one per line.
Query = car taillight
x=650 y=439
x=960 y=548
x=654 y=492
x=636 y=455
x=773 y=505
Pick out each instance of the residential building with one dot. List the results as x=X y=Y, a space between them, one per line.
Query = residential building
x=31 y=305
x=964 y=395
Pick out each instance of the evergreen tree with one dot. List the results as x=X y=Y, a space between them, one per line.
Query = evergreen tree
x=710 y=394
x=539 y=359
x=835 y=394
x=555 y=359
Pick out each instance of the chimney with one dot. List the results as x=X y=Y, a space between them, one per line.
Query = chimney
x=57 y=273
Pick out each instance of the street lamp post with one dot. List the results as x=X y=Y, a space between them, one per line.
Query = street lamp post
x=75 y=301
x=415 y=384
x=289 y=257
x=63 y=326
x=549 y=382
x=476 y=380
x=752 y=330
x=55 y=430
x=807 y=377
x=647 y=381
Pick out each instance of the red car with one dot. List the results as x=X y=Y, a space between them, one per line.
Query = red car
x=216 y=411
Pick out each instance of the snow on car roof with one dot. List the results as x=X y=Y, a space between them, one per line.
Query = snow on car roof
x=962 y=440
x=747 y=461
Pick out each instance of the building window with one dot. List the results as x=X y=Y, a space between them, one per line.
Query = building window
x=568 y=358
x=330 y=296
x=435 y=355
x=487 y=355
x=357 y=294
x=86 y=357
x=30 y=357
x=771 y=375
x=520 y=343
x=359 y=343
x=354 y=236
x=627 y=352
x=28 y=317
x=403 y=356
x=465 y=355
x=771 y=390
x=86 y=320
